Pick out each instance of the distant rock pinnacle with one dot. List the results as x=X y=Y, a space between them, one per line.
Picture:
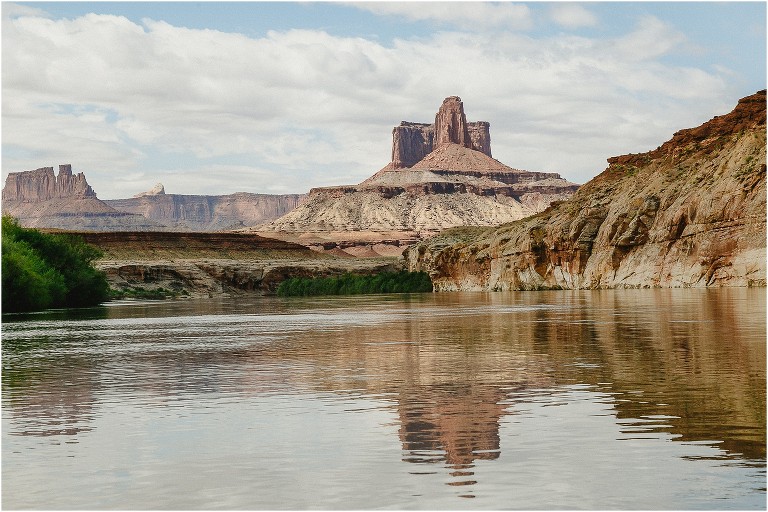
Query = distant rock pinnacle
x=157 y=190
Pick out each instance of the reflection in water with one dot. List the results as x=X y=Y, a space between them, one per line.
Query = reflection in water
x=483 y=390
x=59 y=398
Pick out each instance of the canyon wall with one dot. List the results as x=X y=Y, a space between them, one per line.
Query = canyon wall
x=41 y=199
x=208 y=213
x=690 y=213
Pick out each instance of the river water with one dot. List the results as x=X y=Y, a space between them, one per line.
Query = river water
x=624 y=399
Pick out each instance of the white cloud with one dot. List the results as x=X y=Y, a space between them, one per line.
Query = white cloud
x=652 y=39
x=12 y=10
x=572 y=15
x=303 y=108
x=463 y=15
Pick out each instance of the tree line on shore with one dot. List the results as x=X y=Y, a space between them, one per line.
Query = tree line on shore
x=46 y=270
x=353 y=284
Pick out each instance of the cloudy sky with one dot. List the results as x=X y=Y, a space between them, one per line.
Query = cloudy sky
x=216 y=98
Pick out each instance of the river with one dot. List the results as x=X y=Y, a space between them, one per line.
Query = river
x=614 y=399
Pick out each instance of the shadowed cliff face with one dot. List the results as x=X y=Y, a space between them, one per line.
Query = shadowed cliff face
x=690 y=213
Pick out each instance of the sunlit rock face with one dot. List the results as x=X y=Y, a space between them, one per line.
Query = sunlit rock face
x=157 y=190
x=451 y=124
x=690 y=213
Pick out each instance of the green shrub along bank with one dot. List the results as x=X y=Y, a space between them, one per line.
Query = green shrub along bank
x=41 y=270
x=352 y=284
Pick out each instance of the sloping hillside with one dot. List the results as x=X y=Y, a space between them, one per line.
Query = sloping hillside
x=689 y=213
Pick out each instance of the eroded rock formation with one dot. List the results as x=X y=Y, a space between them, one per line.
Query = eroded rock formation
x=40 y=199
x=689 y=213
x=441 y=175
x=157 y=190
x=204 y=264
x=411 y=142
x=42 y=184
x=451 y=124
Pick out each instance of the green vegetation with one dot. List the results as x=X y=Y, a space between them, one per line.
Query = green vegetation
x=41 y=270
x=351 y=284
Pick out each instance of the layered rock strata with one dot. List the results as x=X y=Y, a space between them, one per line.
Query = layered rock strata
x=205 y=264
x=208 y=213
x=441 y=175
x=41 y=199
x=691 y=213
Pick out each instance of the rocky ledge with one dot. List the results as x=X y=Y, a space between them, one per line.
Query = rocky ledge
x=691 y=213
x=206 y=264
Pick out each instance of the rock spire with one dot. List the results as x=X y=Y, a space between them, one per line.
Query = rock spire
x=451 y=124
x=411 y=142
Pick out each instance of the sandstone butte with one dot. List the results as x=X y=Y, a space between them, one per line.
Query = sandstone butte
x=41 y=199
x=691 y=213
x=440 y=175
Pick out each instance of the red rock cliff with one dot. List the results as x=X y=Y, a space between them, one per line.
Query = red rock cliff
x=689 y=213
